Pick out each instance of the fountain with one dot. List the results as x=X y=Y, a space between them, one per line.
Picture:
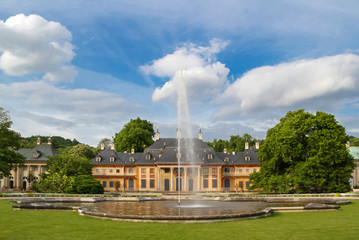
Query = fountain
x=157 y=209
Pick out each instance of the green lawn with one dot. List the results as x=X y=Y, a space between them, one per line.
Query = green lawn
x=31 y=224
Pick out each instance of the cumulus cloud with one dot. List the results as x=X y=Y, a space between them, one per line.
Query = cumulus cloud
x=33 y=45
x=202 y=74
x=325 y=82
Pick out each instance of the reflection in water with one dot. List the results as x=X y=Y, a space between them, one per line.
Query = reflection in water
x=171 y=208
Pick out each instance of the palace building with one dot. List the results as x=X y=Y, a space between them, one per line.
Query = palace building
x=35 y=165
x=157 y=169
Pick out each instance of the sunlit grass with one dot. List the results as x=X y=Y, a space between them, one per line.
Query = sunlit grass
x=32 y=224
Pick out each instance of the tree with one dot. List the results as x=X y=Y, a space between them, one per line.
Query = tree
x=9 y=140
x=82 y=150
x=304 y=153
x=106 y=143
x=235 y=144
x=136 y=134
x=354 y=141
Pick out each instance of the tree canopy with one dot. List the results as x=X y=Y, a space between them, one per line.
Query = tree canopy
x=70 y=172
x=236 y=143
x=57 y=141
x=136 y=134
x=304 y=153
x=9 y=140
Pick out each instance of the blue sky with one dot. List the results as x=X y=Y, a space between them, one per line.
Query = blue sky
x=82 y=69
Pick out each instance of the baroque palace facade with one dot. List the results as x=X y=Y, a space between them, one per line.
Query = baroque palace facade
x=35 y=165
x=157 y=168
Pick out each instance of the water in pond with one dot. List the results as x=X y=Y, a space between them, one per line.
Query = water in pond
x=171 y=208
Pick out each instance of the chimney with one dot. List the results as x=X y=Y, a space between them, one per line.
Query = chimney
x=157 y=135
x=233 y=153
x=102 y=146
x=112 y=146
x=257 y=145
x=200 y=134
x=132 y=150
x=246 y=146
x=38 y=142
x=225 y=150
x=49 y=141
x=347 y=144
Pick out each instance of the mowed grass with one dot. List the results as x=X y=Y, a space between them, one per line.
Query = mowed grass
x=32 y=224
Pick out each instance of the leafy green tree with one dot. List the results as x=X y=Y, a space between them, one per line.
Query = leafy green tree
x=136 y=134
x=106 y=142
x=82 y=150
x=85 y=184
x=9 y=140
x=57 y=141
x=235 y=144
x=304 y=153
x=354 y=141
x=69 y=165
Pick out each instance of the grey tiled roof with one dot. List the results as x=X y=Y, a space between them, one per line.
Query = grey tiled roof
x=43 y=151
x=164 y=151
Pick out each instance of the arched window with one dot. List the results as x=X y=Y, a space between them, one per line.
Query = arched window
x=112 y=159
x=148 y=156
x=210 y=156
x=226 y=159
x=247 y=158
x=98 y=159
x=132 y=159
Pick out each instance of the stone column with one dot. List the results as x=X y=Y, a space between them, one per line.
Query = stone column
x=185 y=179
x=159 y=179
x=199 y=178
x=171 y=180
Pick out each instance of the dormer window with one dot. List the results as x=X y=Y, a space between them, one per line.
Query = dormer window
x=132 y=159
x=178 y=155
x=226 y=159
x=35 y=155
x=148 y=156
x=210 y=156
x=98 y=159
x=112 y=159
x=247 y=158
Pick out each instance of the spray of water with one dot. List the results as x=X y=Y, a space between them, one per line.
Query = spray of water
x=185 y=145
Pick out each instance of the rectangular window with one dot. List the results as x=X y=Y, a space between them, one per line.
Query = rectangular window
x=205 y=183
x=214 y=170
x=143 y=183
x=254 y=170
x=240 y=170
x=34 y=168
x=152 y=170
x=227 y=170
x=103 y=171
x=24 y=168
x=110 y=170
x=205 y=170
x=248 y=170
x=247 y=184
x=152 y=183
x=110 y=184
x=214 y=183
x=97 y=170
x=118 y=170
x=104 y=184
x=131 y=170
x=167 y=170
x=143 y=170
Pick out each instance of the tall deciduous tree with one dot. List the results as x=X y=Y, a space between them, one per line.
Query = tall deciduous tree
x=9 y=140
x=303 y=153
x=136 y=134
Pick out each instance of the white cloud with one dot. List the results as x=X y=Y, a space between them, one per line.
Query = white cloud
x=38 y=107
x=33 y=45
x=323 y=83
x=204 y=77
